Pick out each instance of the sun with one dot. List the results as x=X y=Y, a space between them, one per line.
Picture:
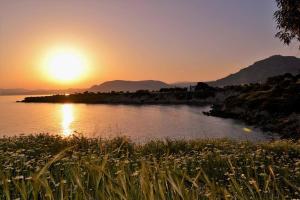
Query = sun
x=65 y=65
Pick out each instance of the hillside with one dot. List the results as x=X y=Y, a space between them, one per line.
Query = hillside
x=261 y=70
x=131 y=86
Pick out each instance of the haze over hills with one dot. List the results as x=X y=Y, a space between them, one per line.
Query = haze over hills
x=256 y=73
x=21 y=91
x=261 y=70
x=13 y=91
x=108 y=86
x=131 y=86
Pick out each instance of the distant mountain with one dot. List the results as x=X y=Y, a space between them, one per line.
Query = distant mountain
x=118 y=85
x=131 y=86
x=20 y=91
x=12 y=91
x=261 y=70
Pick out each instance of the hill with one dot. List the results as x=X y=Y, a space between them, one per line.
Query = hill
x=260 y=71
x=131 y=86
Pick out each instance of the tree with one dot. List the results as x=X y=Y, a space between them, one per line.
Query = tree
x=288 y=20
x=203 y=87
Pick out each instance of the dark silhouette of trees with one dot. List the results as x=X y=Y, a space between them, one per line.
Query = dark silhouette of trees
x=288 y=20
x=203 y=87
x=175 y=89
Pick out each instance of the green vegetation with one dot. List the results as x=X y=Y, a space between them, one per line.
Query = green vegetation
x=287 y=17
x=50 y=167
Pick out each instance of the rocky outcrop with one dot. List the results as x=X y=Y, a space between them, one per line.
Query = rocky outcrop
x=273 y=106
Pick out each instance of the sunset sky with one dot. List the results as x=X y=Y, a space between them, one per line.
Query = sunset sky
x=168 y=40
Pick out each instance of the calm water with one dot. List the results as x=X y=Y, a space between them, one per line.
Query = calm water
x=138 y=122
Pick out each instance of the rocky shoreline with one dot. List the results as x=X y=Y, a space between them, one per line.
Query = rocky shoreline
x=273 y=106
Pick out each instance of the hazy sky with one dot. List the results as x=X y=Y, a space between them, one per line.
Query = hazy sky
x=168 y=40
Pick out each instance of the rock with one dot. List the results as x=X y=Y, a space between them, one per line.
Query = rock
x=273 y=106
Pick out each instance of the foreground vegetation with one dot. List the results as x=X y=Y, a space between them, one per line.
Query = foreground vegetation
x=50 y=167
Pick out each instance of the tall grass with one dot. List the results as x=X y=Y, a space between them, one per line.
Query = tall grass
x=50 y=167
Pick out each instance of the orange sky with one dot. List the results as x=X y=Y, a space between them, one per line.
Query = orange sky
x=135 y=40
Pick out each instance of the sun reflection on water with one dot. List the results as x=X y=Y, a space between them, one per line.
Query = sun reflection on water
x=67 y=112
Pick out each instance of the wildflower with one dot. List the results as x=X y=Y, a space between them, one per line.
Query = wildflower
x=118 y=172
x=136 y=173
x=208 y=194
x=247 y=130
x=263 y=174
x=243 y=176
x=19 y=177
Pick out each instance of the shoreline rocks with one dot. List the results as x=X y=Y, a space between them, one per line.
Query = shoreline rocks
x=273 y=106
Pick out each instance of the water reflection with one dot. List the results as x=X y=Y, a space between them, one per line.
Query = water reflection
x=67 y=113
x=140 y=123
